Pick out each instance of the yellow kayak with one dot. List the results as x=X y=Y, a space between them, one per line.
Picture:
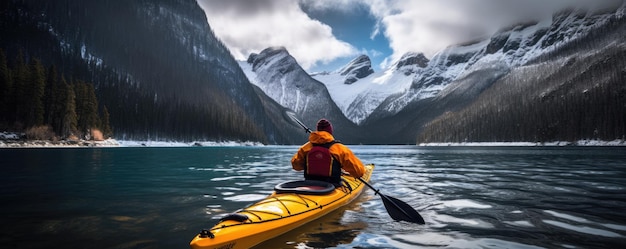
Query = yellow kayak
x=292 y=204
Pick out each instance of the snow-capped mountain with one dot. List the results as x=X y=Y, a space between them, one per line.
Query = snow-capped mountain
x=362 y=95
x=415 y=90
x=279 y=76
x=414 y=77
x=358 y=68
x=156 y=66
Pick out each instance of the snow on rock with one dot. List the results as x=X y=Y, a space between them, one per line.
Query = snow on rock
x=10 y=136
x=356 y=69
x=127 y=143
x=359 y=99
x=358 y=91
x=57 y=144
x=278 y=74
x=15 y=140
x=519 y=144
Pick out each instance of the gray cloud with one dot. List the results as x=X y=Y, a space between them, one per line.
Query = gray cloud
x=242 y=8
x=250 y=26
x=429 y=26
x=410 y=25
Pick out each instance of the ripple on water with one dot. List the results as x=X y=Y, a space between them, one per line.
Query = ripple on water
x=229 y=188
x=446 y=219
x=464 y=203
x=425 y=239
x=575 y=223
x=490 y=243
x=519 y=223
x=216 y=179
x=245 y=198
x=583 y=229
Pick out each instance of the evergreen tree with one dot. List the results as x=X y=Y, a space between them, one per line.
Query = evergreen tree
x=5 y=91
x=35 y=90
x=19 y=103
x=51 y=100
x=106 y=126
x=86 y=107
x=69 y=117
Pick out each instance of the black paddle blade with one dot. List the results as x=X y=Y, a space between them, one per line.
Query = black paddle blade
x=399 y=210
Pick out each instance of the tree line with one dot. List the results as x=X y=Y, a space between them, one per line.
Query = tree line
x=45 y=104
x=153 y=88
x=571 y=93
x=582 y=100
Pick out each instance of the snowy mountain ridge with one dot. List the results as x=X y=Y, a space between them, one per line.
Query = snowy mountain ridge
x=278 y=74
x=359 y=92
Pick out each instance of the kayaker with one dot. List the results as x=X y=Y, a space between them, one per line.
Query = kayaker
x=322 y=158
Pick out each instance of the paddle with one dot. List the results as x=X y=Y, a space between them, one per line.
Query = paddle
x=397 y=209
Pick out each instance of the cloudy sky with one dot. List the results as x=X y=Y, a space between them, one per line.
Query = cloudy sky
x=323 y=35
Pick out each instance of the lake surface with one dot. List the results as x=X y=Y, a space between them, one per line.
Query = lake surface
x=470 y=197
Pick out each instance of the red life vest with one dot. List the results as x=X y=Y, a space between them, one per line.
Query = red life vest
x=321 y=165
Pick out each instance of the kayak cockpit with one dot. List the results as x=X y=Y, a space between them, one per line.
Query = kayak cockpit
x=306 y=187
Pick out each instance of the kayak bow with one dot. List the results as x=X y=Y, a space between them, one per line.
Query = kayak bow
x=291 y=205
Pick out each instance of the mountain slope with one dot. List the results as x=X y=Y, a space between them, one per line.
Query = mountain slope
x=507 y=49
x=156 y=65
x=573 y=90
x=279 y=76
x=358 y=97
x=392 y=106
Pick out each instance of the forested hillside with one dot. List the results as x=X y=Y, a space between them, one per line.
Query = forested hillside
x=44 y=102
x=156 y=67
x=566 y=95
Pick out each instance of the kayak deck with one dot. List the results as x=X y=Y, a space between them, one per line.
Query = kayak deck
x=278 y=213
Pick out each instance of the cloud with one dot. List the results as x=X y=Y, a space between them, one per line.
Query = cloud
x=250 y=26
x=426 y=26
x=430 y=26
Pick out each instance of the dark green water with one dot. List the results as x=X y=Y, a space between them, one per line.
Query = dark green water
x=487 y=197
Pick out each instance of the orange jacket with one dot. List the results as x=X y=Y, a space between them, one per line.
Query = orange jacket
x=349 y=162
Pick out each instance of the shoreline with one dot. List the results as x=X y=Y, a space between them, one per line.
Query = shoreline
x=12 y=140
x=15 y=140
x=57 y=144
x=579 y=143
x=112 y=143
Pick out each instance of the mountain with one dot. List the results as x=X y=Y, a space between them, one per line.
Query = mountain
x=279 y=76
x=358 y=97
x=393 y=106
x=155 y=65
x=163 y=75
x=573 y=90
x=358 y=68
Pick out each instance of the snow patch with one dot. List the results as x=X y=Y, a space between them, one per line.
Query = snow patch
x=616 y=142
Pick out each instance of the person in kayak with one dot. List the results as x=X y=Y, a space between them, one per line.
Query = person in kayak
x=322 y=158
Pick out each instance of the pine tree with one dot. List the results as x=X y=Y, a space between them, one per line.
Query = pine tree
x=19 y=103
x=106 y=126
x=86 y=107
x=5 y=91
x=51 y=103
x=35 y=94
x=68 y=124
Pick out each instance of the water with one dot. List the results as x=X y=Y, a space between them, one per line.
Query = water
x=470 y=197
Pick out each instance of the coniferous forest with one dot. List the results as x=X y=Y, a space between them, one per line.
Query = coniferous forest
x=563 y=96
x=153 y=70
x=150 y=88
x=45 y=104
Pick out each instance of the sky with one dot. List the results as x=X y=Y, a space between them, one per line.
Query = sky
x=324 y=35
